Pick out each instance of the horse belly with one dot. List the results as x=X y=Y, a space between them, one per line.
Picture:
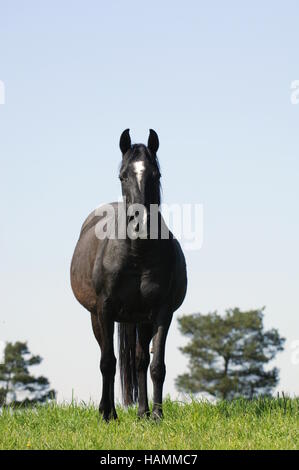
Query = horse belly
x=81 y=272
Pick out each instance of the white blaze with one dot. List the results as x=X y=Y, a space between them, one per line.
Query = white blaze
x=139 y=169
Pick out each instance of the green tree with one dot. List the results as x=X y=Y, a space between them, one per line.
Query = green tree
x=16 y=379
x=227 y=354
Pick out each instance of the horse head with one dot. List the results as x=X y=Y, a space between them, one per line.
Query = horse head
x=140 y=180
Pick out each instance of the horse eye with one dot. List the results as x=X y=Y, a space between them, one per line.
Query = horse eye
x=123 y=177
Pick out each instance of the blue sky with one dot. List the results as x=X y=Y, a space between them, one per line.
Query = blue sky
x=213 y=79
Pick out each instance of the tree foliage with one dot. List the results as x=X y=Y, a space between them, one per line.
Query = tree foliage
x=228 y=354
x=16 y=380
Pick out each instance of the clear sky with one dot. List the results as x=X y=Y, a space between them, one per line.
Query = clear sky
x=214 y=80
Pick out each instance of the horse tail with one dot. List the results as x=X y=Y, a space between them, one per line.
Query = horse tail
x=127 y=338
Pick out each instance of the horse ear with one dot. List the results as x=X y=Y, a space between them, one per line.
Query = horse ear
x=125 y=141
x=153 y=141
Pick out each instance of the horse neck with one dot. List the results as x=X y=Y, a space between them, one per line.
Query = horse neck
x=148 y=247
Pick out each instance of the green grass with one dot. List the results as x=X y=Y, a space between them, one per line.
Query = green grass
x=241 y=424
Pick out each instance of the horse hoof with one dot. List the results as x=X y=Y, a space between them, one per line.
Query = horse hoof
x=108 y=415
x=143 y=414
x=157 y=415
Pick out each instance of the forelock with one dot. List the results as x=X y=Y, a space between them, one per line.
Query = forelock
x=139 y=152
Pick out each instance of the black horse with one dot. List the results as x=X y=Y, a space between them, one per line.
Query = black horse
x=136 y=281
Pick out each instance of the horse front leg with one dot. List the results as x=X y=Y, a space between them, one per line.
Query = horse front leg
x=142 y=362
x=157 y=368
x=105 y=332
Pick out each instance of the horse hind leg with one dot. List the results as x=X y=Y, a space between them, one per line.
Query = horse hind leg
x=103 y=328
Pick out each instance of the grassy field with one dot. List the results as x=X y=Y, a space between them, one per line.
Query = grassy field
x=241 y=424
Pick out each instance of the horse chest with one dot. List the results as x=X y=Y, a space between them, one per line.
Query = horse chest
x=139 y=286
x=138 y=293
x=136 y=287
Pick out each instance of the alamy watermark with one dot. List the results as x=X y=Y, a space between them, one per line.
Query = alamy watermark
x=135 y=221
x=2 y=92
x=295 y=92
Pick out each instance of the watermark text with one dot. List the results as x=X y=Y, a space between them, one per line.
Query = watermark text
x=135 y=221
